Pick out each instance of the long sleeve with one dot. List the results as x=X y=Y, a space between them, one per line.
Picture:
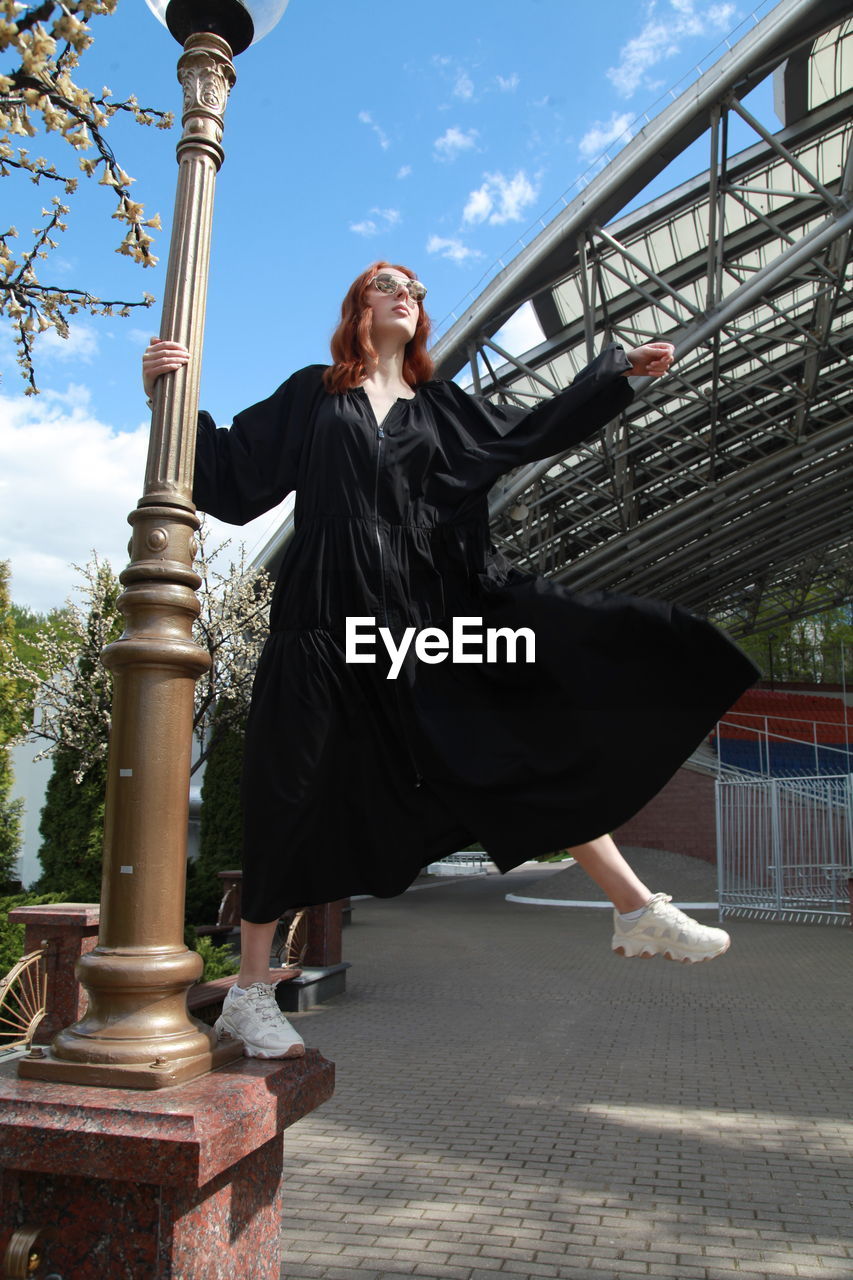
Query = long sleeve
x=243 y=470
x=499 y=437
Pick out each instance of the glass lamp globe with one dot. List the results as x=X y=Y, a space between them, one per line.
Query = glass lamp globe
x=240 y=22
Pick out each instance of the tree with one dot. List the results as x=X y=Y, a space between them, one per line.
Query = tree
x=43 y=45
x=72 y=829
x=9 y=689
x=72 y=696
x=816 y=649
x=232 y=627
x=59 y=660
x=220 y=835
x=10 y=700
x=71 y=689
x=73 y=708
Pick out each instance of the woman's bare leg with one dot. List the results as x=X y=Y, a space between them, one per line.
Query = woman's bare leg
x=604 y=864
x=252 y=1015
x=255 y=947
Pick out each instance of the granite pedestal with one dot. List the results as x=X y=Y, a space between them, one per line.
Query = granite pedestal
x=177 y=1184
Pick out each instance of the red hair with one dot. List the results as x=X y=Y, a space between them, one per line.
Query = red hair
x=353 y=353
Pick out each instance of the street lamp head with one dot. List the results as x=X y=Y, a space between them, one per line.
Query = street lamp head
x=240 y=22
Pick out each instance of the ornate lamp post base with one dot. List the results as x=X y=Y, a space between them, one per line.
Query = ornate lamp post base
x=159 y=1075
x=44 y=1064
x=136 y=1033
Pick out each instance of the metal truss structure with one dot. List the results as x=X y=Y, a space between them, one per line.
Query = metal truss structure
x=727 y=485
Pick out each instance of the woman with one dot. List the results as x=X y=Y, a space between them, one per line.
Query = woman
x=371 y=749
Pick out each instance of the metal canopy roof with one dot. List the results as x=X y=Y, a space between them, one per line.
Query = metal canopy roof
x=725 y=486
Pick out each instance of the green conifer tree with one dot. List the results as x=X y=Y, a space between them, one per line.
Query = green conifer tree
x=72 y=830
x=220 y=836
x=76 y=710
x=11 y=699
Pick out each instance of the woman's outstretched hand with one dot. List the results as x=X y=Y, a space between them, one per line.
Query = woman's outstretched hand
x=159 y=357
x=651 y=360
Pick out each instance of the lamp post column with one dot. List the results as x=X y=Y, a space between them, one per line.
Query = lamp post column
x=137 y=1032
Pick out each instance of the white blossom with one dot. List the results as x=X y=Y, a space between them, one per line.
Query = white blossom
x=72 y=690
x=43 y=46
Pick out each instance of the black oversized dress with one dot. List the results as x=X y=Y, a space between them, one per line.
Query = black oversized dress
x=354 y=781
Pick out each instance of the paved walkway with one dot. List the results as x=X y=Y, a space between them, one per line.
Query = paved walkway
x=514 y=1102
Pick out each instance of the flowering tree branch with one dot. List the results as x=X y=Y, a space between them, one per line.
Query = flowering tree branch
x=44 y=45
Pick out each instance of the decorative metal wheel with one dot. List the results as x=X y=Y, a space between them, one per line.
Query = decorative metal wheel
x=290 y=941
x=23 y=996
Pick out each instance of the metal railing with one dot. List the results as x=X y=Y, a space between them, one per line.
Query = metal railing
x=790 y=754
x=785 y=848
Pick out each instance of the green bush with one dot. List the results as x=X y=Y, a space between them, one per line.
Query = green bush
x=12 y=935
x=219 y=962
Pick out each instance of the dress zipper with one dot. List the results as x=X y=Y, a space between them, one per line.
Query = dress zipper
x=380 y=437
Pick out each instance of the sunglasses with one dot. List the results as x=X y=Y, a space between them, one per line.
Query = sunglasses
x=391 y=285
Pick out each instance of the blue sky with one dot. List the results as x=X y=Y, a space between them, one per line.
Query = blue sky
x=435 y=135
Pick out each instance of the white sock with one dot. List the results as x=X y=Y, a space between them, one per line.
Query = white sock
x=632 y=915
x=238 y=991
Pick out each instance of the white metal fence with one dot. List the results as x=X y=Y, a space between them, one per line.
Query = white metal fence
x=785 y=848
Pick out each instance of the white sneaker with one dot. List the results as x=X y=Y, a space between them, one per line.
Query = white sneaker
x=255 y=1018
x=664 y=930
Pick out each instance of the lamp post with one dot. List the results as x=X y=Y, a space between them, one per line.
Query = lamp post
x=136 y=1032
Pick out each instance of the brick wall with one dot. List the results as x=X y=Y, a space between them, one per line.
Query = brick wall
x=681 y=818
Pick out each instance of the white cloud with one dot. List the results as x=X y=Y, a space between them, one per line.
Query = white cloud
x=521 y=333
x=366 y=118
x=455 y=250
x=382 y=220
x=67 y=483
x=508 y=84
x=603 y=134
x=479 y=205
x=662 y=36
x=81 y=345
x=140 y=337
x=500 y=199
x=464 y=86
x=456 y=75
x=454 y=141
x=404 y=171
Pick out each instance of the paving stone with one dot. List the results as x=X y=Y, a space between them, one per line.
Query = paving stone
x=514 y=1101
